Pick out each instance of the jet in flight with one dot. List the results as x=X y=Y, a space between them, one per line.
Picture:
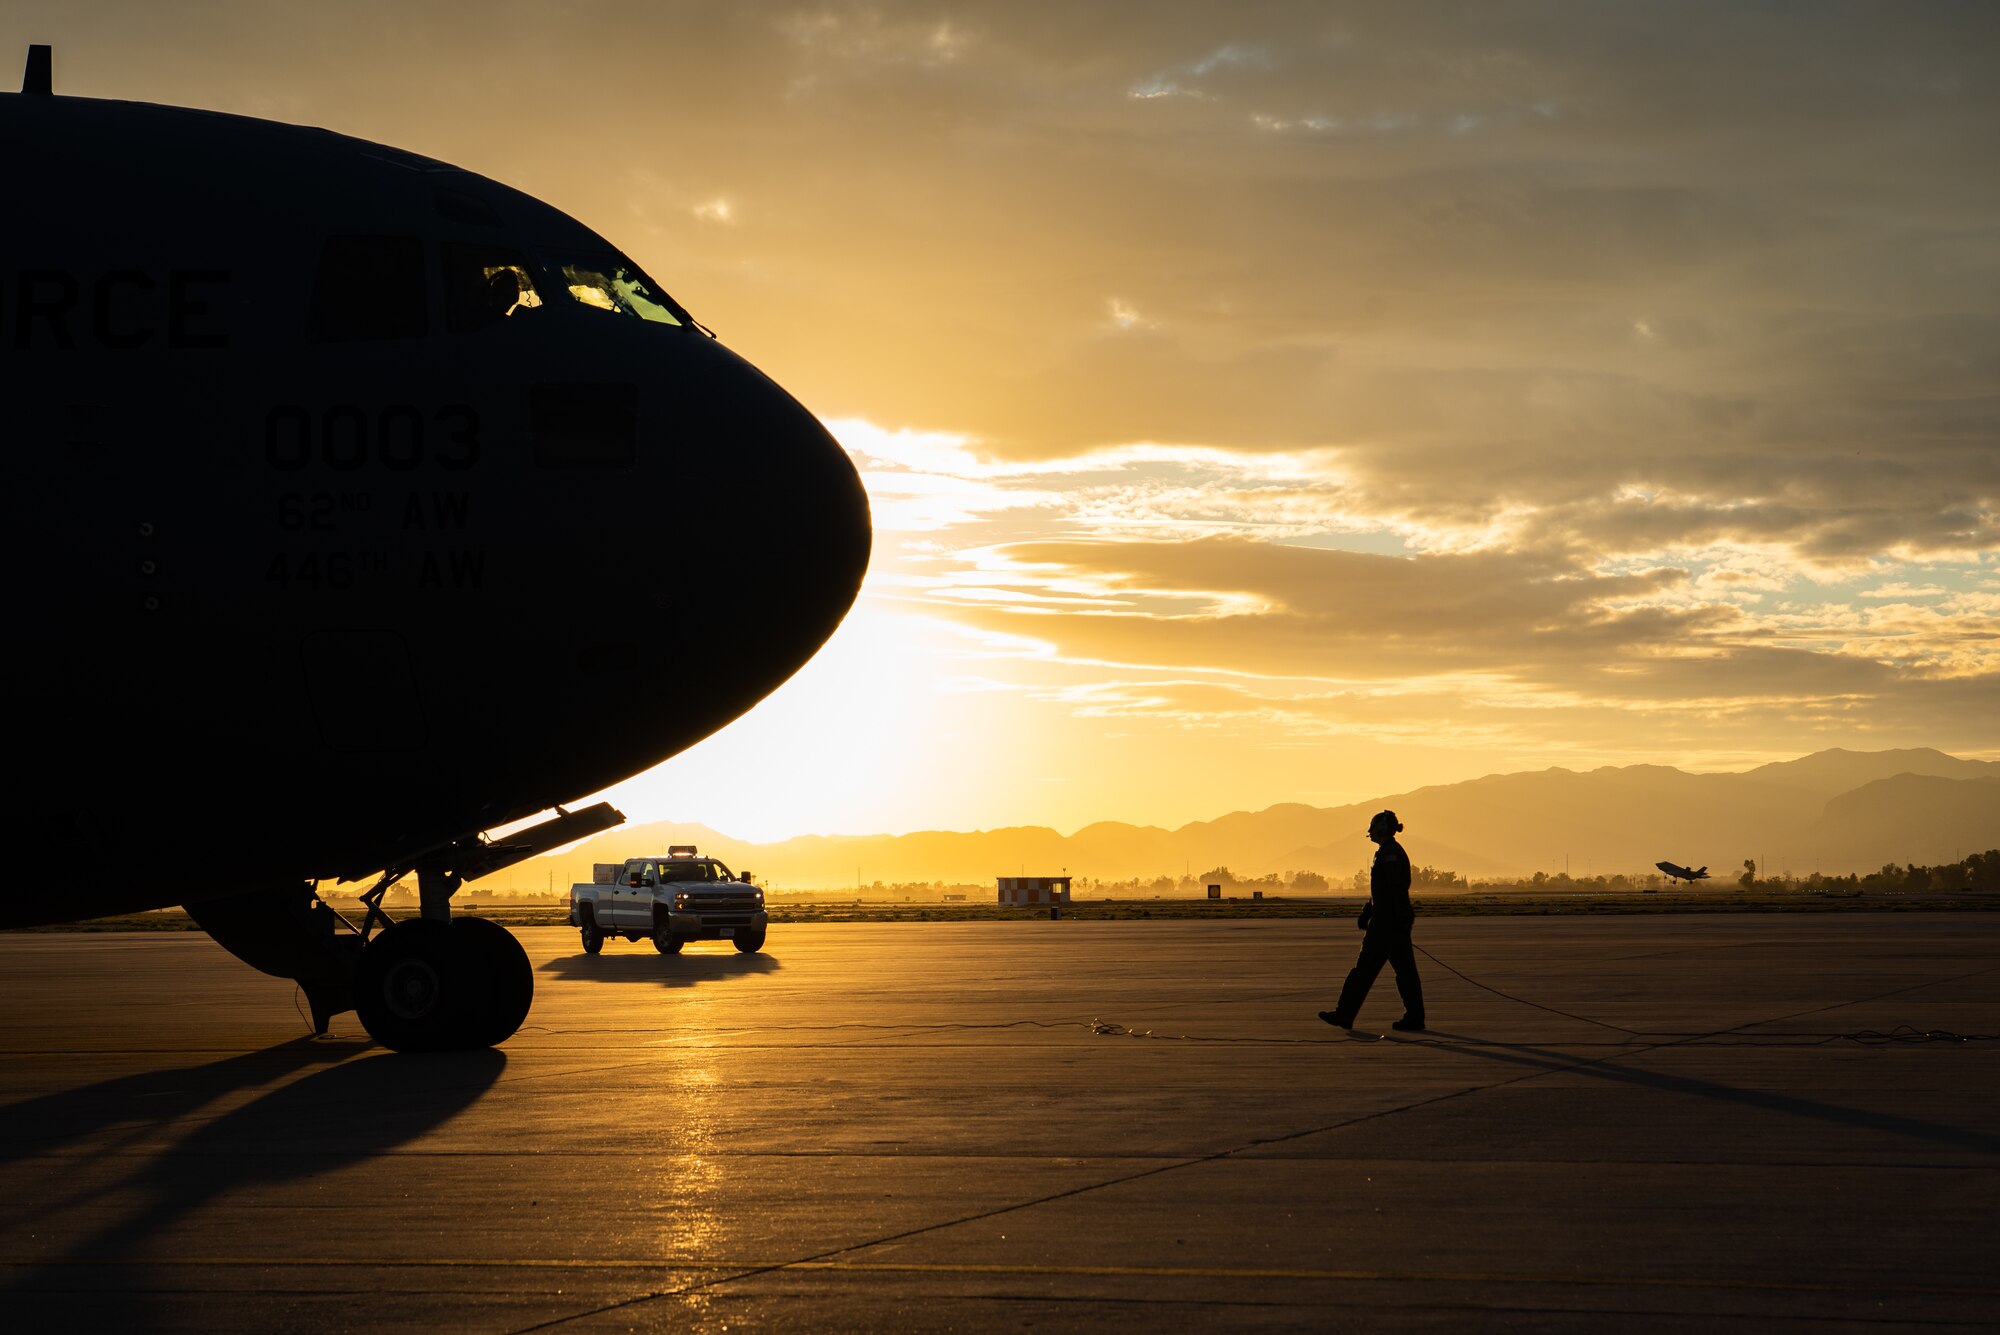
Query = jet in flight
x=1677 y=872
x=360 y=507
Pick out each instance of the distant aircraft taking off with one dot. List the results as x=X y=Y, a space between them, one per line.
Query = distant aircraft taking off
x=358 y=505
x=1679 y=873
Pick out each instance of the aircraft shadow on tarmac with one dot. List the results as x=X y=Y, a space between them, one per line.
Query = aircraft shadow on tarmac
x=1605 y=1068
x=684 y=970
x=345 y=1113
x=142 y=1103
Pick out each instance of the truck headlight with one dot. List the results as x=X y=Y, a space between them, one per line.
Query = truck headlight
x=681 y=900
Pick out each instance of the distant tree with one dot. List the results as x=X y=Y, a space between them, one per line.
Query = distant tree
x=1162 y=885
x=1309 y=883
x=1889 y=878
x=1749 y=876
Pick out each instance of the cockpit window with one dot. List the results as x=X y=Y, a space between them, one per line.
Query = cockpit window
x=613 y=283
x=369 y=287
x=484 y=285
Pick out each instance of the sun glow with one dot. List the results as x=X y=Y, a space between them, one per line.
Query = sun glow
x=867 y=735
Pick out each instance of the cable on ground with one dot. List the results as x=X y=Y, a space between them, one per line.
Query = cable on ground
x=1902 y=1033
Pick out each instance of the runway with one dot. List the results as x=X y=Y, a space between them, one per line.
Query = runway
x=960 y=1126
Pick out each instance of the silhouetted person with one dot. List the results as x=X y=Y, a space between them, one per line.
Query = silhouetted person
x=1386 y=919
x=503 y=293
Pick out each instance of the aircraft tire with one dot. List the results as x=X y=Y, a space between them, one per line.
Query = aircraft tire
x=750 y=944
x=500 y=983
x=409 y=985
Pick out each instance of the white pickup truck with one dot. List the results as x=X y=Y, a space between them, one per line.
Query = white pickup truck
x=675 y=899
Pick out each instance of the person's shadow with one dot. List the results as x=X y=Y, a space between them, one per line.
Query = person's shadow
x=357 y=1109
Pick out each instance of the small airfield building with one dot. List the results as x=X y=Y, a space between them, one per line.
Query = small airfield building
x=1034 y=889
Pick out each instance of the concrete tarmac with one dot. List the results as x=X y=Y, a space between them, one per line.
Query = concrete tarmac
x=976 y=1126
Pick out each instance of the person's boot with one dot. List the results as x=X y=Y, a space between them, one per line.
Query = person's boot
x=1337 y=1020
x=1410 y=1024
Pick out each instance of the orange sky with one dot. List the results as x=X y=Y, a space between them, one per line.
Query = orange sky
x=1269 y=402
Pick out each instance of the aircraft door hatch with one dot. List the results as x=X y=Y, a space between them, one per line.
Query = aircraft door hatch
x=583 y=426
x=363 y=691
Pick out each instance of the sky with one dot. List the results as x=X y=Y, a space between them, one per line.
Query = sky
x=1272 y=402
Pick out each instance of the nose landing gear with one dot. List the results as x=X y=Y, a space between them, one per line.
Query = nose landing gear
x=426 y=984
x=423 y=985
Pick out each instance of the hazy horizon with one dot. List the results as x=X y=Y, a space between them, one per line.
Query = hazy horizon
x=1834 y=811
x=1271 y=402
x=1086 y=821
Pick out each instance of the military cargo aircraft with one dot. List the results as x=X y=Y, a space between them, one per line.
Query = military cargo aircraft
x=337 y=483
x=1677 y=872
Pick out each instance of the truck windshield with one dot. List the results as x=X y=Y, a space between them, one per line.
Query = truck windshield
x=615 y=284
x=689 y=871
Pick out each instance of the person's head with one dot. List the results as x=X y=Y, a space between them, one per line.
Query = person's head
x=503 y=292
x=1384 y=827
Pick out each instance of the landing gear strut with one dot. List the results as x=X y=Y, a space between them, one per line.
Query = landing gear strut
x=434 y=983
x=427 y=984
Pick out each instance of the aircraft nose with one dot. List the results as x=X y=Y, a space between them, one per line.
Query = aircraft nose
x=719 y=560
x=791 y=527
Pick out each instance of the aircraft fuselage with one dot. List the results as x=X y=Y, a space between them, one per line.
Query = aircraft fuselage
x=362 y=504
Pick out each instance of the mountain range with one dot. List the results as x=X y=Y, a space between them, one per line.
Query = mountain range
x=1834 y=811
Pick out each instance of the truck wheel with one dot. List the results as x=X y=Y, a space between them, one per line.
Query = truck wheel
x=750 y=942
x=665 y=941
x=593 y=936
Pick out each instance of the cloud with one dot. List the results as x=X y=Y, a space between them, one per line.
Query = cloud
x=1124 y=317
x=1505 y=634
x=1233 y=603
x=874 y=34
x=1184 y=80
x=1548 y=377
